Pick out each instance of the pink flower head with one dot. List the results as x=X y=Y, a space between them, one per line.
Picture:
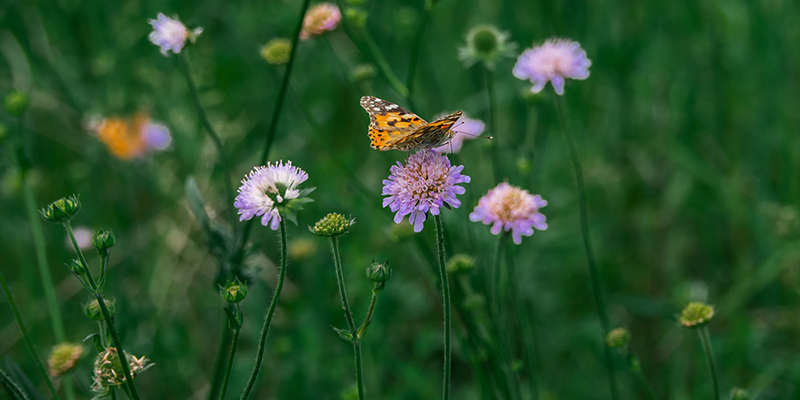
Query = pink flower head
x=554 y=61
x=320 y=18
x=425 y=183
x=465 y=129
x=512 y=209
x=170 y=34
x=266 y=189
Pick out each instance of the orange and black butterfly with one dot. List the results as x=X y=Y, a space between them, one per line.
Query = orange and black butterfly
x=392 y=127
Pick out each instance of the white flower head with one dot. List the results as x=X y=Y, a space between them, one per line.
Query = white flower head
x=170 y=34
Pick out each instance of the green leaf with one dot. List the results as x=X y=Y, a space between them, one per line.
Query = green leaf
x=344 y=334
x=12 y=388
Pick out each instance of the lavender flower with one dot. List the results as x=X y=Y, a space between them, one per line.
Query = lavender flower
x=271 y=192
x=170 y=34
x=554 y=61
x=319 y=19
x=468 y=129
x=512 y=209
x=425 y=183
x=156 y=136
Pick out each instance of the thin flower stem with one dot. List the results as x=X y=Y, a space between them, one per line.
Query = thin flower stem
x=712 y=366
x=587 y=245
x=28 y=341
x=348 y=315
x=445 y=304
x=363 y=329
x=496 y=274
x=635 y=366
x=229 y=366
x=415 y=50
x=528 y=349
x=184 y=64
x=268 y=317
x=216 y=379
x=492 y=107
x=71 y=234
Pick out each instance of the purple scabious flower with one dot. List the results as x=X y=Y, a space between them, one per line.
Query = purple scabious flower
x=319 y=19
x=271 y=192
x=425 y=183
x=554 y=61
x=512 y=209
x=170 y=34
x=156 y=136
x=465 y=129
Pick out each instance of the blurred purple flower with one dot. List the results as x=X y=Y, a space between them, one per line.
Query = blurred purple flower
x=512 y=209
x=83 y=236
x=425 y=183
x=320 y=18
x=267 y=188
x=156 y=136
x=465 y=129
x=170 y=34
x=554 y=61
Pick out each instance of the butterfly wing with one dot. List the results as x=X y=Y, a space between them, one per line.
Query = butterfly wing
x=389 y=123
x=430 y=135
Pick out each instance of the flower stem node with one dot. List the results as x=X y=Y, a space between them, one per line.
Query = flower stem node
x=618 y=338
x=235 y=317
x=740 y=394
x=103 y=240
x=696 y=315
x=277 y=51
x=460 y=263
x=333 y=224
x=345 y=334
x=16 y=102
x=378 y=274
x=233 y=291
x=93 y=312
x=63 y=358
x=62 y=210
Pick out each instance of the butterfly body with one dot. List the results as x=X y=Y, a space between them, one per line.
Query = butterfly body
x=392 y=127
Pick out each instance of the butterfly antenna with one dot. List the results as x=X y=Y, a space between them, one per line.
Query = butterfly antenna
x=470 y=134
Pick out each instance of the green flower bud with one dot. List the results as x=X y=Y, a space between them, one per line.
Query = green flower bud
x=277 y=51
x=92 y=309
x=618 y=338
x=76 y=267
x=63 y=357
x=102 y=240
x=356 y=16
x=363 y=72
x=333 y=224
x=16 y=102
x=696 y=315
x=61 y=210
x=233 y=292
x=740 y=394
x=460 y=263
x=378 y=274
x=486 y=44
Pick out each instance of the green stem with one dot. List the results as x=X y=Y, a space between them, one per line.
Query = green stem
x=268 y=317
x=712 y=366
x=363 y=329
x=587 y=245
x=496 y=275
x=28 y=341
x=184 y=64
x=71 y=234
x=636 y=367
x=492 y=107
x=216 y=380
x=415 y=50
x=527 y=348
x=229 y=367
x=348 y=315
x=445 y=304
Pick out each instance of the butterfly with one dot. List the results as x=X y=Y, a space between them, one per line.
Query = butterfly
x=392 y=127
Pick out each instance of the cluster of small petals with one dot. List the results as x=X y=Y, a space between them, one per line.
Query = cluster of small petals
x=425 y=183
x=170 y=34
x=108 y=373
x=319 y=19
x=510 y=208
x=267 y=187
x=554 y=61
x=465 y=129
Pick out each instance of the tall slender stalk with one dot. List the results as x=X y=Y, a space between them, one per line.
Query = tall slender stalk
x=184 y=64
x=445 y=303
x=492 y=107
x=712 y=366
x=26 y=337
x=587 y=245
x=363 y=328
x=219 y=373
x=636 y=367
x=268 y=317
x=229 y=366
x=527 y=335
x=417 y=46
x=348 y=315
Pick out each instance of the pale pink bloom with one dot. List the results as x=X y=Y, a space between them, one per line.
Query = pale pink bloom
x=510 y=208
x=319 y=19
x=465 y=129
x=554 y=61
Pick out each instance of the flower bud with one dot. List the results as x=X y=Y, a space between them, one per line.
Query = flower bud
x=102 y=240
x=378 y=274
x=16 y=102
x=696 y=315
x=334 y=224
x=740 y=394
x=76 y=267
x=63 y=357
x=460 y=263
x=233 y=292
x=618 y=338
x=277 y=51
x=93 y=312
x=61 y=210
x=486 y=44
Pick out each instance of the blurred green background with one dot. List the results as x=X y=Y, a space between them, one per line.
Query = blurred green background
x=687 y=129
